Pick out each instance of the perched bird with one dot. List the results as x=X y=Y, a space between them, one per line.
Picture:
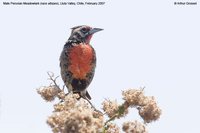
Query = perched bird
x=78 y=60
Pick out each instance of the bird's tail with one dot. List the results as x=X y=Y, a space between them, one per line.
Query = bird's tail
x=88 y=95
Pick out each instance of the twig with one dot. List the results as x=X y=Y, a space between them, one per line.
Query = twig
x=63 y=87
x=51 y=75
x=92 y=105
x=112 y=118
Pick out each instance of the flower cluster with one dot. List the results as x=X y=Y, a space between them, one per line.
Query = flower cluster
x=146 y=105
x=49 y=93
x=73 y=114
x=110 y=107
x=150 y=112
x=134 y=127
x=134 y=97
x=112 y=128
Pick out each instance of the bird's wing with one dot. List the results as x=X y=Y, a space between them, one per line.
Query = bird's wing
x=64 y=65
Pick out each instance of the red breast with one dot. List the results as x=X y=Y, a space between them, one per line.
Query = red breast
x=80 y=60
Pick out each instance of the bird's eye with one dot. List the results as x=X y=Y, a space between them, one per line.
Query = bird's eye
x=84 y=30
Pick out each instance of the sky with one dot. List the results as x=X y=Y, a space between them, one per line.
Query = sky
x=153 y=43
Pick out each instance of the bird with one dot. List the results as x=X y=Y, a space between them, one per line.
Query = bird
x=78 y=60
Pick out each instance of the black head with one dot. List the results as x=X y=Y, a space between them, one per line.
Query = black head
x=82 y=34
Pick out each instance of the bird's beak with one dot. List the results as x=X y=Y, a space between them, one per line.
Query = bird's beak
x=94 y=30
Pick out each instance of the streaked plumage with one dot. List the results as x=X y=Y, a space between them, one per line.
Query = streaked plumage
x=78 y=60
